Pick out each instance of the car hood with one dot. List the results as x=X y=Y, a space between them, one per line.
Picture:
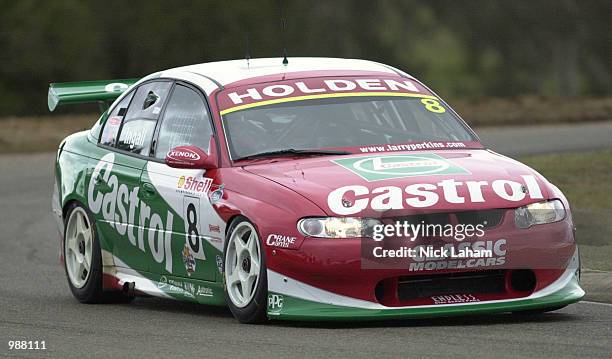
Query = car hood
x=368 y=184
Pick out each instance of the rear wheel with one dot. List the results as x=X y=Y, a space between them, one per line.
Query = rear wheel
x=83 y=258
x=244 y=273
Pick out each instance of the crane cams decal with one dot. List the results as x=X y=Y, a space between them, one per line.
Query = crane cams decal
x=118 y=206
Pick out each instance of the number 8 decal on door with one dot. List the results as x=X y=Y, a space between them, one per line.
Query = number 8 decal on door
x=194 y=248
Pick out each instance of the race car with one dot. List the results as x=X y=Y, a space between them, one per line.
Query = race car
x=307 y=189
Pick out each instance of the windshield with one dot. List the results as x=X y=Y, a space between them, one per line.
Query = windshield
x=341 y=122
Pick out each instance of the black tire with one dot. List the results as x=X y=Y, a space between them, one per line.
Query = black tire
x=255 y=312
x=539 y=310
x=92 y=291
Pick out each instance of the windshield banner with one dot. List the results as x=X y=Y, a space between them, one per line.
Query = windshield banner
x=269 y=93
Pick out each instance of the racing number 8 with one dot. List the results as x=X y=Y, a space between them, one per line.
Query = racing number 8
x=192 y=227
x=433 y=105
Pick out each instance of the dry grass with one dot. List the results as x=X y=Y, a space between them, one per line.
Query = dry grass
x=44 y=133
x=585 y=178
x=531 y=110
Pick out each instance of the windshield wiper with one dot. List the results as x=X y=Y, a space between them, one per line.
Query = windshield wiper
x=292 y=151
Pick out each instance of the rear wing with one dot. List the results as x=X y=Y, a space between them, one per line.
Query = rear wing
x=104 y=92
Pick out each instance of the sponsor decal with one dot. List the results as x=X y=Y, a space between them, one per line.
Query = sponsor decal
x=118 y=205
x=454 y=298
x=189 y=287
x=192 y=185
x=163 y=282
x=278 y=240
x=169 y=285
x=191 y=213
x=219 y=263
x=185 y=157
x=428 y=260
x=204 y=291
x=114 y=121
x=183 y=154
x=188 y=260
x=275 y=303
x=216 y=195
x=214 y=228
x=376 y=168
x=133 y=137
x=423 y=195
x=427 y=145
x=324 y=87
x=174 y=286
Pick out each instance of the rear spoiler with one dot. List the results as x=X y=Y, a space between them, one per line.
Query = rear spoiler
x=104 y=92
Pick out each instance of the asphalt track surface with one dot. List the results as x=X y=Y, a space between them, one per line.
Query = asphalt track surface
x=36 y=304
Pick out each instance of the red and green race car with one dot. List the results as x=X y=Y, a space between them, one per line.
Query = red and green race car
x=318 y=189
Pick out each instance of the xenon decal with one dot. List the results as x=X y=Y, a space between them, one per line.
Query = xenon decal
x=423 y=195
x=375 y=168
x=119 y=205
x=331 y=85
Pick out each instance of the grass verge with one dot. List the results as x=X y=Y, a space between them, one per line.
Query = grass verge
x=38 y=134
x=586 y=180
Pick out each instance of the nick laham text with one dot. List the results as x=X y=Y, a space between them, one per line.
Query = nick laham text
x=431 y=252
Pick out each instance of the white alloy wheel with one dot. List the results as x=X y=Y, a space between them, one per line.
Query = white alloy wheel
x=242 y=264
x=78 y=247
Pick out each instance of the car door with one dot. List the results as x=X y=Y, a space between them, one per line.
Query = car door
x=112 y=195
x=131 y=127
x=196 y=247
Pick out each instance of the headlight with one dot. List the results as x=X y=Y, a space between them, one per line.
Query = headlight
x=539 y=213
x=337 y=227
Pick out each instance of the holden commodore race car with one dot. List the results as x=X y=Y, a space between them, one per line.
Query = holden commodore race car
x=316 y=189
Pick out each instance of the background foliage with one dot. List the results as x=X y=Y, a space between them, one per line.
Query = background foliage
x=461 y=48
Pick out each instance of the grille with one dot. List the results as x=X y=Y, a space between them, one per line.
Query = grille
x=482 y=282
x=431 y=218
x=488 y=218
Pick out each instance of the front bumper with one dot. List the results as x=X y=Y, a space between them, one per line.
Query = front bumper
x=289 y=299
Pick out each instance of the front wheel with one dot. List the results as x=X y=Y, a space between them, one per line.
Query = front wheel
x=244 y=273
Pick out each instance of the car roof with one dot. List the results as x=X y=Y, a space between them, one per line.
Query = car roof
x=225 y=73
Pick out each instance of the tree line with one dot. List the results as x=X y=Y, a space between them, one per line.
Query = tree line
x=474 y=48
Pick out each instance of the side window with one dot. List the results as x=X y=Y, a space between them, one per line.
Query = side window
x=113 y=123
x=141 y=117
x=185 y=123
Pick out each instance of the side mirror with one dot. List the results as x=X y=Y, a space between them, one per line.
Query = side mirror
x=192 y=157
